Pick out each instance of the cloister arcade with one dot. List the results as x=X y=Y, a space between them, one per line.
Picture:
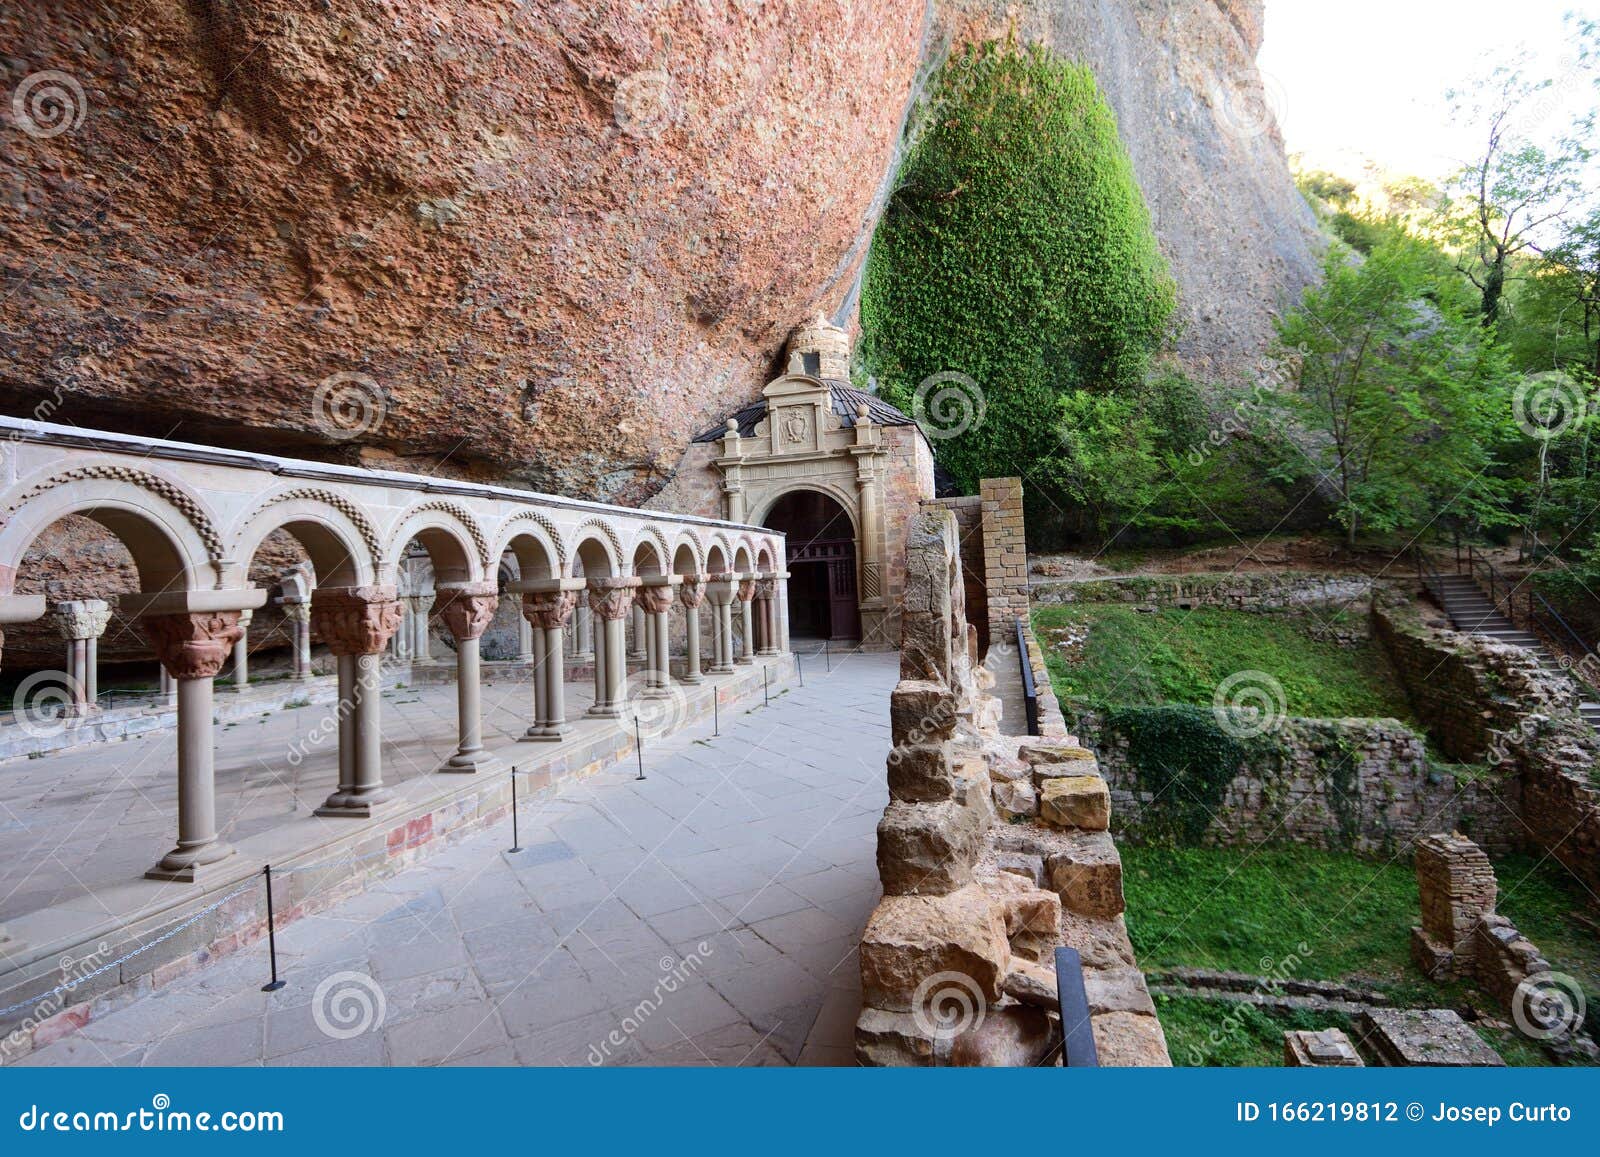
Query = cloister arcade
x=388 y=555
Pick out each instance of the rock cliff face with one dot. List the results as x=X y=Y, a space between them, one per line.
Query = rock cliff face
x=539 y=241
x=533 y=241
x=1200 y=129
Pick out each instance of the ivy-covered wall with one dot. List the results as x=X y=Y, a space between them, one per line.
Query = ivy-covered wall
x=1366 y=785
x=1016 y=250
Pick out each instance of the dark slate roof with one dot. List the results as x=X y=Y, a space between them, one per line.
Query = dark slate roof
x=845 y=400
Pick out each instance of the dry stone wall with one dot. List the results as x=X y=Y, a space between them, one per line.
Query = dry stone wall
x=957 y=961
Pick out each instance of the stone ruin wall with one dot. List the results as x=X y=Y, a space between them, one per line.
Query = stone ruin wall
x=1364 y=785
x=957 y=961
x=1488 y=701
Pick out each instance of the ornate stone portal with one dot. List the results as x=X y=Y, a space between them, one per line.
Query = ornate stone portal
x=813 y=431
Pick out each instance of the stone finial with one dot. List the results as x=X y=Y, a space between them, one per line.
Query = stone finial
x=193 y=644
x=81 y=618
x=356 y=620
x=467 y=610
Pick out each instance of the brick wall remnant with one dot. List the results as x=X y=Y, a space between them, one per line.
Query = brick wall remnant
x=1456 y=889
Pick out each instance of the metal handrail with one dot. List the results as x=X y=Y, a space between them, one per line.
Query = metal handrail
x=1077 y=1033
x=1585 y=656
x=1030 y=693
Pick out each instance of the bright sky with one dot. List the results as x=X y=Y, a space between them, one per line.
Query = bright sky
x=1368 y=77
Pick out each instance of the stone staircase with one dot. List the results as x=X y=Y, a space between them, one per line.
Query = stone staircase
x=1471 y=611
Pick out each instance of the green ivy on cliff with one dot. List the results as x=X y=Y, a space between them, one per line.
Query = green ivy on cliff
x=1016 y=250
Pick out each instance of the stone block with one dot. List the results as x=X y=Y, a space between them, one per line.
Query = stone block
x=1016 y=801
x=1421 y=1036
x=1032 y=983
x=921 y=712
x=1032 y=920
x=892 y=1040
x=1327 y=1048
x=1117 y=990
x=930 y=848
x=1087 y=875
x=1129 y=1040
x=1016 y=1036
x=1076 y=801
x=912 y=942
x=1029 y=867
x=1038 y=754
x=922 y=773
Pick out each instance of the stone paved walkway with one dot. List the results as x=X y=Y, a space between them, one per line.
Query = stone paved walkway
x=706 y=915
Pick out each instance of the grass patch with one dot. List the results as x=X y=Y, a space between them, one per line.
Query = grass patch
x=1342 y=917
x=1101 y=656
x=1212 y=1033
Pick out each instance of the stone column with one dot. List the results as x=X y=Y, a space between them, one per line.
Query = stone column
x=467 y=611
x=583 y=633
x=782 y=596
x=547 y=613
x=746 y=593
x=298 y=612
x=691 y=594
x=525 y=646
x=611 y=600
x=169 y=689
x=655 y=600
x=81 y=623
x=421 y=646
x=639 y=652
x=767 y=631
x=720 y=592
x=357 y=623
x=192 y=647
x=241 y=652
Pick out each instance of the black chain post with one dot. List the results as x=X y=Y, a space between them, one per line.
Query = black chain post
x=638 y=745
x=516 y=842
x=272 y=937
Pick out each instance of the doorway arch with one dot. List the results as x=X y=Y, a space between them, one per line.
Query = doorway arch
x=824 y=598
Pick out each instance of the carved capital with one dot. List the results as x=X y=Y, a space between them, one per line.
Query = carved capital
x=766 y=588
x=655 y=600
x=81 y=618
x=549 y=609
x=298 y=611
x=467 y=610
x=611 y=598
x=693 y=591
x=355 y=620
x=746 y=590
x=193 y=645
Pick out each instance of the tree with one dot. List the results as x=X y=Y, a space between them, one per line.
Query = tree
x=1515 y=187
x=1397 y=388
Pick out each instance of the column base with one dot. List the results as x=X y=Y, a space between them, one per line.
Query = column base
x=365 y=807
x=192 y=867
x=552 y=734
x=692 y=680
x=723 y=670
x=607 y=712
x=478 y=761
x=768 y=654
x=744 y=661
